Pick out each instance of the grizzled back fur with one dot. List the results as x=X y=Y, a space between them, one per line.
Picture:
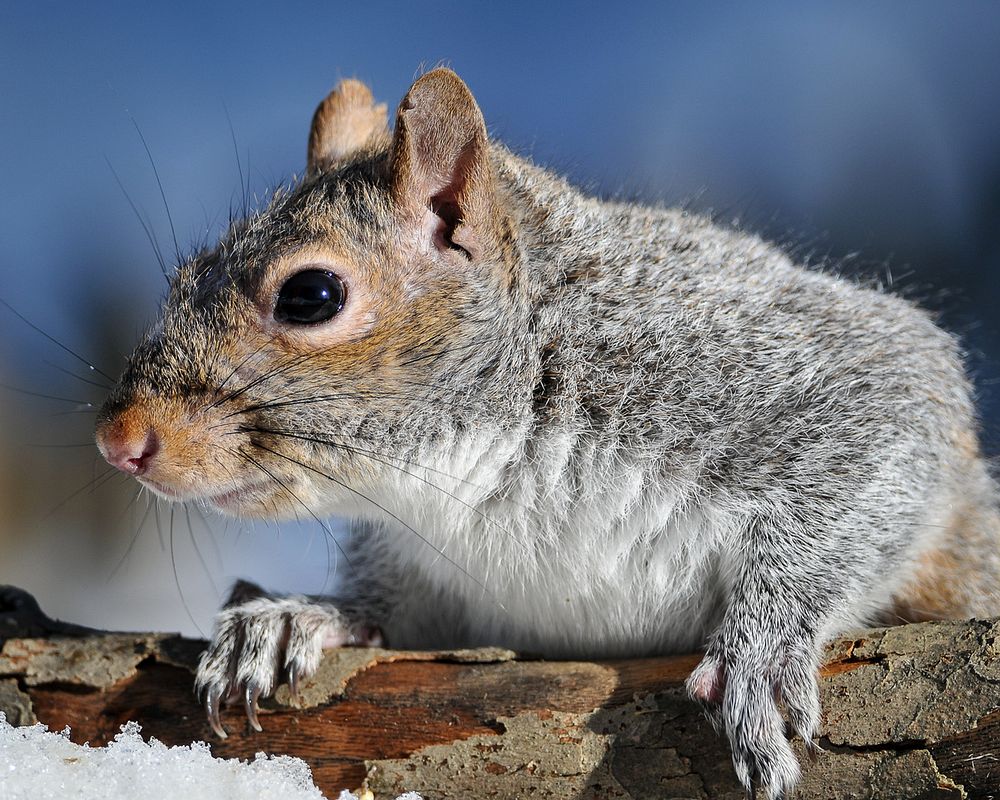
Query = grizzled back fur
x=572 y=427
x=553 y=358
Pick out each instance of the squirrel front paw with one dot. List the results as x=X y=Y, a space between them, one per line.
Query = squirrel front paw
x=741 y=697
x=261 y=640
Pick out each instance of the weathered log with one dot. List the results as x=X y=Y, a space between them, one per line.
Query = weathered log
x=909 y=712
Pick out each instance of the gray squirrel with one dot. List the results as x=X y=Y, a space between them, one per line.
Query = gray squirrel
x=577 y=428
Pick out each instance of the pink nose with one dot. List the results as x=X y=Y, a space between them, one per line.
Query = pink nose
x=129 y=454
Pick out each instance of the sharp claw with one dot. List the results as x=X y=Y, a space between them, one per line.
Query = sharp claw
x=212 y=697
x=713 y=713
x=250 y=702
x=293 y=683
x=813 y=749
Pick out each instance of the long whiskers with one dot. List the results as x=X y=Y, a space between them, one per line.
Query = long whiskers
x=389 y=513
x=197 y=552
x=282 y=366
x=327 y=398
x=288 y=490
x=135 y=536
x=211 y=538
x=54 y=341
x=177 y=579
x=100 y=385
x=94 y=483
x=369 y=454
x=146 y=227
x=159 y=184
x=244 y=180
x=44 y=396
x=355 y=450
x=240 y=366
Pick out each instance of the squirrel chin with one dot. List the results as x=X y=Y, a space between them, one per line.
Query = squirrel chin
x=229 y=501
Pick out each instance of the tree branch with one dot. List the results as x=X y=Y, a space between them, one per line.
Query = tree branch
x=909 y=712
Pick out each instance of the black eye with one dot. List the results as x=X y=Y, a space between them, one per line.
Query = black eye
x=310 y=297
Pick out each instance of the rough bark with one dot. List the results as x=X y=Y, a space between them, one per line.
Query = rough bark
x=909 y=712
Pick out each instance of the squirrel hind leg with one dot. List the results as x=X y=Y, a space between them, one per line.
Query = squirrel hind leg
x=959 y=576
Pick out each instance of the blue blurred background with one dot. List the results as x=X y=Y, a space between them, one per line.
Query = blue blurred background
x=865 y=135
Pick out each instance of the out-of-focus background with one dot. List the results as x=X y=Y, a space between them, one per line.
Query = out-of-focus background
x=865 y=134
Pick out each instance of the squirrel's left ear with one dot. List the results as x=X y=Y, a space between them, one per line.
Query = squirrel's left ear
x=344 y=123
x=441 y=174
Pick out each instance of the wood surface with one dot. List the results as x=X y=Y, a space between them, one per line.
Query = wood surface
x=909 y=712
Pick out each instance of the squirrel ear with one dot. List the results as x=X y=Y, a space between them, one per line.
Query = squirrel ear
x=346 y=121
x=440 y=162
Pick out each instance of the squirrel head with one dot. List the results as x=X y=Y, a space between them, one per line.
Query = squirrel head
x=363 y=315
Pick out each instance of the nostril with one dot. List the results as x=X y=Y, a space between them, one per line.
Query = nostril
x=140 y=463
x=130 y=454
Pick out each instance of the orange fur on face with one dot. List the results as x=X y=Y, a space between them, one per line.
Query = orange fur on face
x=227 y=387
x=191 y=449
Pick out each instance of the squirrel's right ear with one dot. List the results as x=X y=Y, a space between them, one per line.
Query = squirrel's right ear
x=441 y=175
x=344 y=123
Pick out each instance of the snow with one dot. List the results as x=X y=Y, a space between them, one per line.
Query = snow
x=37 y=764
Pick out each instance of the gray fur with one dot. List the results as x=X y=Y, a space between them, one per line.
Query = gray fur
x=639 y=432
